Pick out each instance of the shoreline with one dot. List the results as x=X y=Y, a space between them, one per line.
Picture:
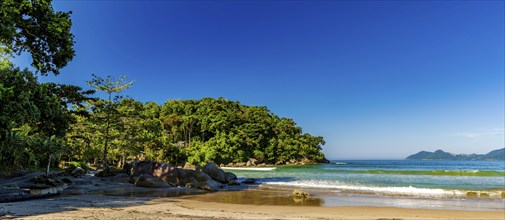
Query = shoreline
x=121 y=207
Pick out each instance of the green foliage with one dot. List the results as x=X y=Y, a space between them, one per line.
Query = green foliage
x=33 y=117
x=107 y=112
x=201 y=130
x=33 y=26
x=74 y=164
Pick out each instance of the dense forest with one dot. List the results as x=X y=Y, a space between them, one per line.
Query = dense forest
x=43 y=124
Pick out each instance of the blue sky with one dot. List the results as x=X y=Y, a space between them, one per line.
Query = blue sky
x=377 y=79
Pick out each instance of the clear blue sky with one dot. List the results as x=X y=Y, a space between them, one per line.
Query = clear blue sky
x=377 y=79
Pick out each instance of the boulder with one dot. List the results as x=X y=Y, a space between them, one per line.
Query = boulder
x=240 y=164
x=230 y=176
x=11 y=186
x=233 y=183
x=184 y=176
x=248 y=164
x=230 y=165
x=146 y=180
x=166 y=172
x=300 y=194
x=46 y=186
x=324 y=160
x=202 y=177
x=121 y=178
x=78 y=172
x=249 y=181
x=213 y=170
x=209 y=185
x=253 y=161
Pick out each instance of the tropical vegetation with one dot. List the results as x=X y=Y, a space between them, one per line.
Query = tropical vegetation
x=44 y=124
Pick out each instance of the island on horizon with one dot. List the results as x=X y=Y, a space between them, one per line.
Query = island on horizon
x=442 y=155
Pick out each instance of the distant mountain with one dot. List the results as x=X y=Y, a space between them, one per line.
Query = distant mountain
x=442 y=155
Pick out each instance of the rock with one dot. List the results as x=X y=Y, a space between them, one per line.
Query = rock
x=233 y=183
x=188 y=166
x=46 y=186
x=75 y=192
x=502 y=194
x=261 y=164
x=11 y=186
x=248 y=164
x=279 y=162
x=249 y=181
x=121 y=178
x=67 y=180
x=78 y=172
x=324 y=160
x=300 y=194
x=241 y=164
x=253 y=161
x=209 y=185
x=184 y=176
x=230 y=176
x=202 y=177
x=146 y=180
x=166 y=172
x=214 y=172
x=230 y=165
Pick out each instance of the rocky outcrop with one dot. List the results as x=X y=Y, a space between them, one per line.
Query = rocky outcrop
x=209 y=177
x=146 y=180
x=249 y=181
x=165 y=172
x=209 y=185
x=185 y=176
x=77 y=172
x=214 y=171
x=228 y=176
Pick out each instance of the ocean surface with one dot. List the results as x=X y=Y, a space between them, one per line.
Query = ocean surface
x=472 y=185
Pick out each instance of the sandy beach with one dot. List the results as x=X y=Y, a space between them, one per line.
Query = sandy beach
x=121 y=207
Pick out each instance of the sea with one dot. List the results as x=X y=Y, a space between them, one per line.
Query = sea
x=430 y=184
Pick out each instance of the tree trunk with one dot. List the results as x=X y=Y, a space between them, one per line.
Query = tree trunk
x=104 y=160
x=49 y=164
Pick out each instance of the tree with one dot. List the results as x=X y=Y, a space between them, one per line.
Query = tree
x=110 y=86
x=33 y=26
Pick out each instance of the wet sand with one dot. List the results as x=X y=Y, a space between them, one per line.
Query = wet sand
x=113 y=199
x=187 y=207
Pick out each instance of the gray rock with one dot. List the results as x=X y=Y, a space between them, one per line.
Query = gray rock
x=202 y=177
x=230 y=176
x=254 y=161
x=241 y=164
x=233 y=183
x=145 y=180
x=77 y=172
x=166 y=172
x=209 y=185
x=249 y=181
x=185 y=176
x=213 y=170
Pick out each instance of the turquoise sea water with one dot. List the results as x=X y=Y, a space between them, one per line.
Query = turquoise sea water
x=433 y=181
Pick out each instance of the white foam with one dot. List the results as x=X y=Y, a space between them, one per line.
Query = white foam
x=249 y=168
x=336 y=185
